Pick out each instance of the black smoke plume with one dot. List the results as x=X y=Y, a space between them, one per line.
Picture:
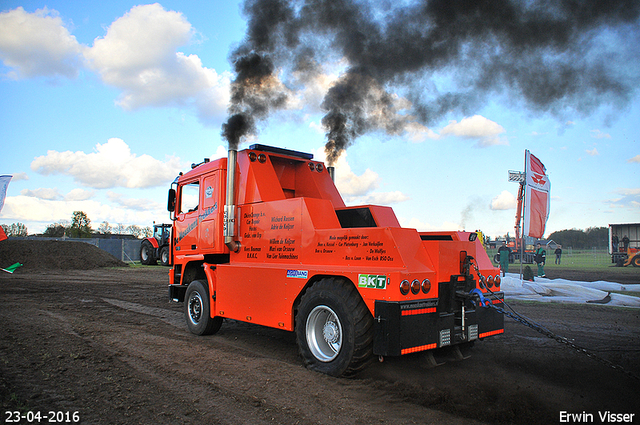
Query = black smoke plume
x=254 y=93
x=555 y=56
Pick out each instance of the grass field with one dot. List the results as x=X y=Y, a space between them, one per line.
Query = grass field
x=586 y=260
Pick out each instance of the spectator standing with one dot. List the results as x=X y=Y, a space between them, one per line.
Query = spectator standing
x=540 y=259
x=504 y=252
x=558 y=253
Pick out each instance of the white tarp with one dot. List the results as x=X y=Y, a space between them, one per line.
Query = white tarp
x=568 y=291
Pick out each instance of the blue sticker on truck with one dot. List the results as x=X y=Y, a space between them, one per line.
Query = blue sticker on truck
x=298 y=274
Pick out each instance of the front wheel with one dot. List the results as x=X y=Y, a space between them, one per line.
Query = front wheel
x=636 y=261
x=164 y=256
x=197 y=310
x=334 y=328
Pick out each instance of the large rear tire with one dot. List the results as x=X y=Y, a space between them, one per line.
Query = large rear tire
x=197 y=310
x=334 y=328
x=146 y=253
x=636 y=261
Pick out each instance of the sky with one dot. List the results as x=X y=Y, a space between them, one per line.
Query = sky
x=102 y=104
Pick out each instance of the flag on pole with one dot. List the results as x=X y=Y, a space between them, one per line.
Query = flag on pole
x=538 y=197
x=4 y=182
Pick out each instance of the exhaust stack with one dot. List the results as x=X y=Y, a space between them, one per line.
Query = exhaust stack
x=332 y=173
x=230 y=206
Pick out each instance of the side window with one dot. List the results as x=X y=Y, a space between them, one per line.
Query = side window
x=189 y=197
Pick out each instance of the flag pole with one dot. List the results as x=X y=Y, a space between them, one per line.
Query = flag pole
x=524 y=210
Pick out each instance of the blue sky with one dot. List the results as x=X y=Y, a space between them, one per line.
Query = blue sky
x=102 y=104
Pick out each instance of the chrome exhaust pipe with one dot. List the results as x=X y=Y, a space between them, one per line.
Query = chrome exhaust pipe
x=332 y=173
x=230 y=205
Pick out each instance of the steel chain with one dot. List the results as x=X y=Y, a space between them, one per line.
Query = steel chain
x=541 y=329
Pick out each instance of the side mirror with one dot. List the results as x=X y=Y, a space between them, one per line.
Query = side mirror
x=171 y=204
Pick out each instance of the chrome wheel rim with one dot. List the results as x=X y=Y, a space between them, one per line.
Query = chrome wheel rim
x=145 y=253
x=324 y=333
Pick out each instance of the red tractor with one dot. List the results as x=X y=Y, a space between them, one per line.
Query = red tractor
x=156 y=247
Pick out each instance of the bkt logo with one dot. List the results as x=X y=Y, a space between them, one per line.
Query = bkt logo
x=372 y=281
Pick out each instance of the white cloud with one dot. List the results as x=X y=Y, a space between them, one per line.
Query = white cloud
x=476 y=127
x=111 y=165
x=139 y=56
x=634 y=159
x=38 y=213
x=53 y=194
x=19 y=176
x=597 y=134
x=313 y=90
x=504 y=201
x=42 y=193
x=79 y=195
x=593 y=152
x=359 y=189
x=38 y=45
x=415 y=223
x=377 y=198
x=137 y=204
x=27 y=208
x=348 y=182
x=629 y=192
x=630 y=198
x=419 y=133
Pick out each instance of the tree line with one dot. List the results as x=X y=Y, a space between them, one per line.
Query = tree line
x=79 y=227
x=593 y=237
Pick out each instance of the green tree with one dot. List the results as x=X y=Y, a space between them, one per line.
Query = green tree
x=598 y=236
x=55 y=230
x=134 y=230
x=105 y=228
x=15 y=229
x=593 y=237
x=80 y=225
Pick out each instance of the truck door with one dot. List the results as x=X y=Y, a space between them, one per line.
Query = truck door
x=187 y=217
x=211 y=235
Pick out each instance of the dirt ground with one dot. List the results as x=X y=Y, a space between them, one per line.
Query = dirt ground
x=108 y=344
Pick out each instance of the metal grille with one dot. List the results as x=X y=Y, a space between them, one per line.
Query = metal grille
x=473 y=332
x=445 y=337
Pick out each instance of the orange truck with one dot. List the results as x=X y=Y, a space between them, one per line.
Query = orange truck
x=264 y=237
